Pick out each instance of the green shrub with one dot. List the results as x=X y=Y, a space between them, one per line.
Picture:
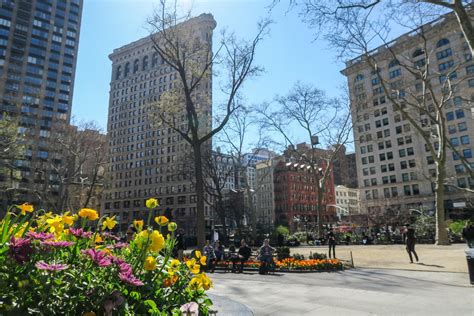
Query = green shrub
x=283 y=253
x=298 y=256
x=316 y=255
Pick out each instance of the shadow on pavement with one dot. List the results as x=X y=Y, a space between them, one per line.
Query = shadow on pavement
x=429 y=265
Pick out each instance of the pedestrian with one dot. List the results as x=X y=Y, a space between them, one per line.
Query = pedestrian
x=265 y=255
x=410 y=242
x=244 y=254
x=332 y=243
x=208 y=251
x=179 y=246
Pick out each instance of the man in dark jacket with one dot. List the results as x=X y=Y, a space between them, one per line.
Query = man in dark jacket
x=332 y=243
x=244 y=254
x=410 y=242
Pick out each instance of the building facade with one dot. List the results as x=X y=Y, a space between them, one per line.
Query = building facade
x=38 y=53
x=145 y=160
x=395 y=169
x=296 y=195
x=347 y=201
x=265 y=196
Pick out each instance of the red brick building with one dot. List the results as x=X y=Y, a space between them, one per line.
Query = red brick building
x=296 y=195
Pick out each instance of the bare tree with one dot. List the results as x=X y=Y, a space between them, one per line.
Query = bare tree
x=418 y=100
x=316 y=119
x=330 y=17
x=185 y=106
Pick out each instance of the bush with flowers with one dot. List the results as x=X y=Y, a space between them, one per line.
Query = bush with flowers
x=72 y=264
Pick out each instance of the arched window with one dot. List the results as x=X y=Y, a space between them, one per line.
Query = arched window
x=135 y=66
x=127 y=69
x=154 y=60
x=359 y=77
x=393 y=63
x=442 y=42
x=418 y=52
x=118 y=72
x=145 y=63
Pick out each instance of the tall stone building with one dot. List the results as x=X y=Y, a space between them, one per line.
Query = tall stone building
x=146 y=160
x=395 y=169
x=38 y=52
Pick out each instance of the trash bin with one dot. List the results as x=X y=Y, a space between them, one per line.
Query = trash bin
x=470 y=263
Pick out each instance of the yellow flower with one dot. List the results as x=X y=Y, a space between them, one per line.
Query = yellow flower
x=161 y=220
x=198 y=254
x=150 y=263
x=88 y=213
x=203 y=260
x=25 y=207
x=200 y=281
x=68 y=220
x=109 y=223
x=193 y=266
x=98 y=239
x=138 y=224
x=151 y=203
x=155 y=240
x=172 y=226
x=56 y=224
x=174 y=263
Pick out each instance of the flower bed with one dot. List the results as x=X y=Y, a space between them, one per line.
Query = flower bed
x=292 y=264
x=52 y=264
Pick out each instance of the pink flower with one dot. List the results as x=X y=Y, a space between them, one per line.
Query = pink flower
x=20 y=249
x=80 y=233
x=130 y=279
x=39 y=236
x=110 y=236
x=191 y=308
x=50 y=267
x=100 y=257
x=57 y=244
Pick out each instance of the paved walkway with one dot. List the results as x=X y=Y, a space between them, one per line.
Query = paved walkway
x=350 y=292
x=432 y=258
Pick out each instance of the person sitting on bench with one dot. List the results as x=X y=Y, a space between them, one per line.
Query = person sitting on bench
x=244 y=254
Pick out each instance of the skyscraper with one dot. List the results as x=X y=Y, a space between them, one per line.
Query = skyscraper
x=38 y=52
x=395 y=167
x=146 y=160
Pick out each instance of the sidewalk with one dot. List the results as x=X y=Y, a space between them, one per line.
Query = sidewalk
x=432 y=258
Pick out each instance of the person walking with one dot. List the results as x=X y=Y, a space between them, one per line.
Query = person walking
x=332 y=243
x=265 y=255
x=410 y=242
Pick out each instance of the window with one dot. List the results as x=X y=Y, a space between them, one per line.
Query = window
x=455 y=156
x=383 y=168
x=400 y=141
x=372 y=170
x=401 y=153
x=430 y=160
x=373 y=181
x=386 y=133
x=470 y=82
x=365 y=171
x=366 y=183
x=393 y=63
x=442 y=42
x=359 y=77
x=145 y=63
x=394 y=191
x=393 y=178
x=467 y=153
x=465 y=140
x=405 y=177
x=459 y=169
x=403 y=165
x=408 y=139
x=395 y=73
x=135 y=66
x=391 y=167
x=444 y=53
x=389 y=155
x=470 y=69
x=454 y=141
x=386 y=192
x=363 y=150
x=375 y=81
x=398 y=129
x=457 y=101
x=446 y=65
x=418 y=52
x=406 y=190
x=415 y=189
x=452 y=129
x=459 y=114
x=410 y=151
x=462 y=126
x=449 y=116
x=411 y=163
x=462 y=183
x=118 y=73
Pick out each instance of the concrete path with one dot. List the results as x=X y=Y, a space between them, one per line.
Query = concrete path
x=432 y=258
x=350 y=292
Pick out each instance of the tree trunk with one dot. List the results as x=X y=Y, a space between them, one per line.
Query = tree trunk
x=200 y=221
x=253 y=217
x=441 y=232
x=222 y=216
x=465 y=24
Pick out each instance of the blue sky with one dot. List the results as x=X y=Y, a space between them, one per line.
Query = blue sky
x=289 y=54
